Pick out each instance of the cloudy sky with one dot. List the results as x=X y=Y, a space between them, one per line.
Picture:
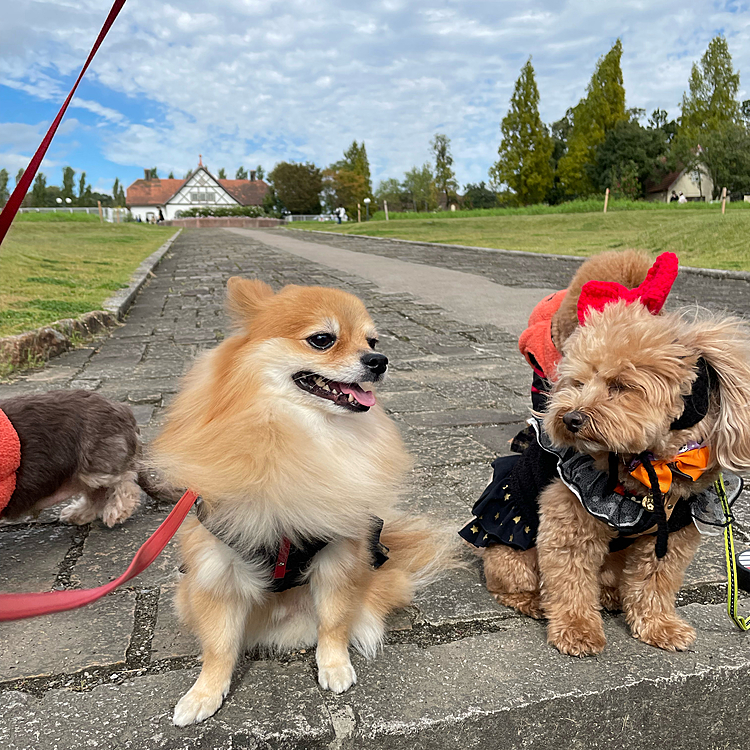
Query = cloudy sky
x=255 y=82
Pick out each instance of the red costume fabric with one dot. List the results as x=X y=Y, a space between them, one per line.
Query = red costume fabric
x=652 y=292
x=536 y=343
x=10 y=460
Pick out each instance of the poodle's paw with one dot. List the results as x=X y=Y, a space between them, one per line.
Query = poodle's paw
x=78 y=512
x=528 y=603
x=196 y=706
x=610 y=599
x=669 y=633
x=337 y=678
x=578 y=638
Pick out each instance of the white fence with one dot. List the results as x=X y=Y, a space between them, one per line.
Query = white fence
x=110 y=214
x=310 y=217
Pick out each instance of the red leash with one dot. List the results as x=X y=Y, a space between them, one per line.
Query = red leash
x=20 y=606
x=15 y=200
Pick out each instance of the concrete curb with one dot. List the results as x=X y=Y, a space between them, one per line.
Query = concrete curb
x=715 y=273
x=41 y=344
x=119 y=303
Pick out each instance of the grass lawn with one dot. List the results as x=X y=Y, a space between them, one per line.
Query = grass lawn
x=700 y=236
x=56 y=266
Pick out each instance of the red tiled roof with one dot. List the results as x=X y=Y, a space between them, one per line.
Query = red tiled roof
x=156 y=192
x=153 y=192
x=246 y=192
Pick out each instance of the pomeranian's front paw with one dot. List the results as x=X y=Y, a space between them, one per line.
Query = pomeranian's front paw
x=578 y=638
x=196 y=706
x=669 y=633
x=79 y=512
x=338 y=678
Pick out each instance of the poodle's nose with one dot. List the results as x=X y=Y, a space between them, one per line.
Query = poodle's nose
x=574 y=420
x=376 y=363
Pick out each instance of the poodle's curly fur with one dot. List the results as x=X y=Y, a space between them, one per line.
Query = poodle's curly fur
x=626 y=371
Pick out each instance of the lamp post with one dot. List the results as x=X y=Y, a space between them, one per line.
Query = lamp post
x=367 y=209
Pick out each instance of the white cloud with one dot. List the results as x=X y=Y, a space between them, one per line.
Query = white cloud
x=261 y=81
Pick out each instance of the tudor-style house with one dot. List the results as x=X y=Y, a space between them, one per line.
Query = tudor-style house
x=147 y=196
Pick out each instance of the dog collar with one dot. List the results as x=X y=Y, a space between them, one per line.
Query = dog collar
x=10 y=459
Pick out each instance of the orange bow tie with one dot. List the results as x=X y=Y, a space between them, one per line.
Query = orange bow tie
x=691 y=463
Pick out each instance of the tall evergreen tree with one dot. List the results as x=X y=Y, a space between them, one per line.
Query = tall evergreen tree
x=116 y=191
x=593 y=117
x=712 y=99
x=68 y=183
x=19 y=175
x=82 y=189
x=444 y=176
x=39 y=190
x=356 y=161
x=241 y=173
x=222 y=174
x=4 y=194
x=260 y=173
x=170 y=176
x=525 y=163
x=712 y=133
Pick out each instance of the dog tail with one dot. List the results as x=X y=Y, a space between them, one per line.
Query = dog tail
x=153 y=483
x=418 y=553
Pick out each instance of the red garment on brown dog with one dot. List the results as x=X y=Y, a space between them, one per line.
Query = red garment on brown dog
x=10 y=459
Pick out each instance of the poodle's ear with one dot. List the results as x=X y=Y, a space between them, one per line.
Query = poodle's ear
x=246 y=297
x=725 y=345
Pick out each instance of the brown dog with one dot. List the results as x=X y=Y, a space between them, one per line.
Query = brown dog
x=634 y=392
x=74 y=443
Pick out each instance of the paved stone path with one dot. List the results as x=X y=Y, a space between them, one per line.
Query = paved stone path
x=457 y=668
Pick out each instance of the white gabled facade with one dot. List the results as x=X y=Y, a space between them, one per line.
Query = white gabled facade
x=200 y=189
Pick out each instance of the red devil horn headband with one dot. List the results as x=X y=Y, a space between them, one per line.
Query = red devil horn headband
x=652 y=292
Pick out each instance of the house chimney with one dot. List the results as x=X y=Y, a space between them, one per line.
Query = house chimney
x=147 y=174
x=252 y=175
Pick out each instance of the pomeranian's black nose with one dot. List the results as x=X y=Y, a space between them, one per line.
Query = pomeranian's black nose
x=574 y=420
x=376 y=363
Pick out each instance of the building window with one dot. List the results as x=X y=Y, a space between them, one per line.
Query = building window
x=203 y=196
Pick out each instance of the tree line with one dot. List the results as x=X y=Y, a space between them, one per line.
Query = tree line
x=601 y=144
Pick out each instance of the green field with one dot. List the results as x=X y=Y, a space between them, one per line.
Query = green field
x=56 y=266
x=699 y=234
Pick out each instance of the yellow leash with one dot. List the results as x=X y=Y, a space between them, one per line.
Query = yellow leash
x=741 y=622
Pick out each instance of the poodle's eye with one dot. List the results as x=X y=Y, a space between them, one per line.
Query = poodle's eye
x=577 y=384
x=615 y=387
x=372 y=343
x=321 y=340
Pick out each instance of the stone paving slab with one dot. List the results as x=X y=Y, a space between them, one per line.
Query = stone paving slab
x=458 y=391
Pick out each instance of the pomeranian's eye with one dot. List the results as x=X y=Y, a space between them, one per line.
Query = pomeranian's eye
x=615 y=387
x=577 y=384
x=372 y=342
x=321 y=340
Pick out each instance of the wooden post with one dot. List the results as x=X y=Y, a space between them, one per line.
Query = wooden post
x=723 y=200
x=606 y=200
x=385 y=207
x=101 y=218
x=359 y=214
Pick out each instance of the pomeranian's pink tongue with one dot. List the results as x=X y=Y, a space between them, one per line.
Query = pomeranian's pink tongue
x=366 y=398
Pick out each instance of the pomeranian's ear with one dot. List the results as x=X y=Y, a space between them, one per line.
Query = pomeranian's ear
x=245 y=297
x=725 y=345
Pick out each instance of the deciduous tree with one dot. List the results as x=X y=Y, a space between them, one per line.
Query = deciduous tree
x=525 y=163
x=479 y=196
x=444 y=176
x=38 y=191
x=297 y=186
x=419 y=185
x=68 y=183
x=260 y=173
x=4 y=193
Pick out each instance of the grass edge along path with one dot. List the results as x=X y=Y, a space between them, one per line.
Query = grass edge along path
x=53 y=268
x=700 y=237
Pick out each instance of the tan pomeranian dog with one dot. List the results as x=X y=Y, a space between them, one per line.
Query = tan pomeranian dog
x=279 y=431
